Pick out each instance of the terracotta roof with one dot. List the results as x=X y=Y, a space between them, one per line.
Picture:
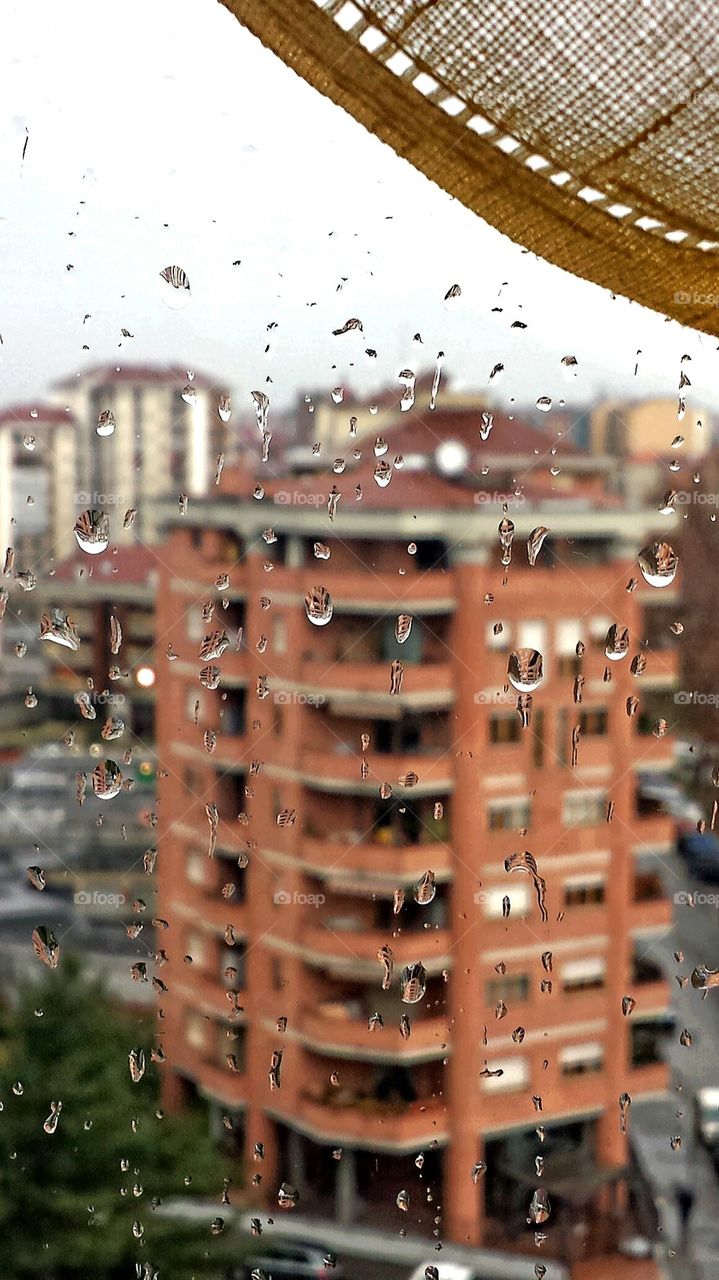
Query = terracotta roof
x=422 y=430
x=109 y=373
x=414 y=489
x=46 y=415
x=125 y=565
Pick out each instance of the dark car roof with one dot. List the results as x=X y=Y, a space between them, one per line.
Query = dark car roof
x=704 y=844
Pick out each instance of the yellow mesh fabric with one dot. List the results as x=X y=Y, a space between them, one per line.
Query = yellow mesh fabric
x=586 y=130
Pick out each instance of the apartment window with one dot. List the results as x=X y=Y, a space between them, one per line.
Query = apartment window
x=192 y=781
x=584 y=975
x=492 y=901
x=584 y=808
x=195 y=868
x=196 y=946
x=195 y=709
x=279 y=636
x=568 y=633
x=278 y=719
x=232 y=1044
x=233 y=966
x=594 y=722
x=512 y=988
x=277 y=973
x=498 y=640
x=515 y=1076
x=194 y=626
x=580 y=1059
x=647 y=1037
x=584 y=891
x=505 y=815
x=598 y=628
x=532 y=635
x=505 y=728
x=196 y=1029
x=538 y=739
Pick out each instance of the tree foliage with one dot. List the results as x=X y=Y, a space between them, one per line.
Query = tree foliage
x=82 y=1201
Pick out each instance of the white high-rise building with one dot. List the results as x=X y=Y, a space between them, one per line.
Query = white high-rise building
x=166 y=439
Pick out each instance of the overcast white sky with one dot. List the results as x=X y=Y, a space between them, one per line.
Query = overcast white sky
x=168 y=112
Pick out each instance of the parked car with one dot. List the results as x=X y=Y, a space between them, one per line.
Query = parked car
x=290 y=1260
x=447 y=1271
x=706 y=1117
x=701 y=853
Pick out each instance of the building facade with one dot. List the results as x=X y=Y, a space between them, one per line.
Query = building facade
x=368 y=976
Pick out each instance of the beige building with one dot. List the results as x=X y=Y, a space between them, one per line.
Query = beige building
x=645 y=429
x=166 y=439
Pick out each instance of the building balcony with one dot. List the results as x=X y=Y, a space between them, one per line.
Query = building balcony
x=393 y=863
x=362 y=591
x=652 y=830
x=341 y=771
x=650 y=997
x=333 y=1029
x=663 y=668
x=368 y=1123
x=650 y=752
x=215 y=1081
x=231 y=750
x=353 y=950
x=234 y=665
x=652 y=1077
x=204 y=994
x=365 y=685
x=213 y=912
x=650 y=914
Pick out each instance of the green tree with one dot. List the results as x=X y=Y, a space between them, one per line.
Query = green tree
x=77 y=1203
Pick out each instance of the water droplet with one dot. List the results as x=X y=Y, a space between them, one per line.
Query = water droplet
x=287 y=1196
x=382 y=474
x=703 y=979
x=224 y=408
x=616 y=644
x=46 y=945
x=658 y=563
x=535 y=542
x=486 y=424
x=92 y=531
x=425 y=889
x=539 y=1208
x=59 y=629
x=176 y=288
x=386 y=959
x=402 y=1200
x=136 y=1060
x=685 y=1039
x=106 y=780
x=525 y=861
x=318 y=606
x=407 y=400
x=627 y=1005
x=413 y=982
x=51 y=1123
x=544 y=403
x=106 y=423
x=524 y=671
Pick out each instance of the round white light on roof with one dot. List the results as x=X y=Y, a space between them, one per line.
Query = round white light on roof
x=451 y=457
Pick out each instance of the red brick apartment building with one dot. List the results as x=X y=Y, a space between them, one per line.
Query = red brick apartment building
x=336 y=786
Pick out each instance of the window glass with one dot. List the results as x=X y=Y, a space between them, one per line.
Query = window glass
x=359 y=730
